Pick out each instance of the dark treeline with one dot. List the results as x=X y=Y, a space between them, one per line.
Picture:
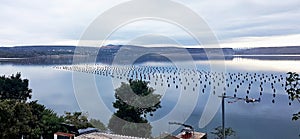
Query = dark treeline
x=20 y=117
x=288 y=50
x=34 y=51
x=49 y=55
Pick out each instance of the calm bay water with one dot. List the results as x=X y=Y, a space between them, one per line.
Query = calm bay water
x=54 y=88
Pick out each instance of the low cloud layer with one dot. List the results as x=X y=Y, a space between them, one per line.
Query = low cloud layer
x=233 y=21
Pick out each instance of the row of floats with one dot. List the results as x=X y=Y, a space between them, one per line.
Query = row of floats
x=192 y=79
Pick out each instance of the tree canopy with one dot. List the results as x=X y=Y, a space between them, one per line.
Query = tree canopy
x=293 y=89
x=218 y=132
x=30 y=120
x=14 y=87
x=98 y=124
x=20 y=117
x=78 y=119
x=134 y=101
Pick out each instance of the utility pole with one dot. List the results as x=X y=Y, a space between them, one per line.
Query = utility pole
x=247 y=100
x=223 y=116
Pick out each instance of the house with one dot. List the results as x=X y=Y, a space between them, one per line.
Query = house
x=61 y=135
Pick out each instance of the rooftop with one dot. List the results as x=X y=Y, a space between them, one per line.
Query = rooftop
x=99 y=135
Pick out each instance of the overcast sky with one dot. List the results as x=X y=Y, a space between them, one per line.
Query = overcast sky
x=236 y=23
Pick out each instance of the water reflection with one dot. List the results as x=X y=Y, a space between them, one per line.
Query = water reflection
x=51 y=87
x=271 y=118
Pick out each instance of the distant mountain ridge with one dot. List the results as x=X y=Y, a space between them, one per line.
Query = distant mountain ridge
x=34 y=51
x=286 y=50
x=107 y=54
x=40 y=50
x=44 y=50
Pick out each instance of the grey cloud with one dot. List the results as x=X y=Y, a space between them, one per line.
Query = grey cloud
x=40 y=21
x=235 y=18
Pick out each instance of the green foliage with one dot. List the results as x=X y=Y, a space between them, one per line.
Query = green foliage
x=77 y=119
x=122 y=127
x=15 y=118
x=18 y=117
x=45 y=121
x=293 y=86
x=134 y=101
x=293 y=89
x=14 y=87
x=98 y=124
x=137 y=129
x=218 y=132
x=28 y=119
